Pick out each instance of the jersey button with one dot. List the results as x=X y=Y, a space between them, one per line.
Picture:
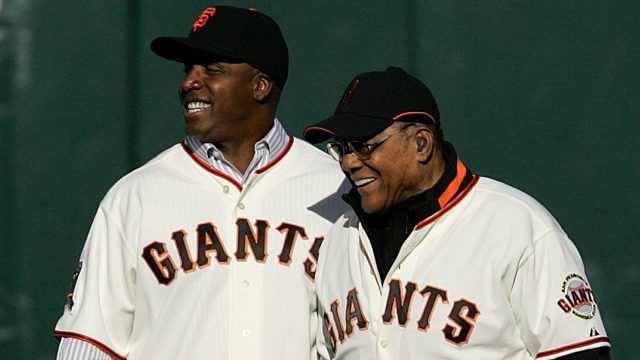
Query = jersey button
x=246 y=283
x=225 y=189
x=246 y=333
x=384 y=344
x=241 y=206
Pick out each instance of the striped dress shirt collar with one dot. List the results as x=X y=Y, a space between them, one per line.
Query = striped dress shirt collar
x=265 y=150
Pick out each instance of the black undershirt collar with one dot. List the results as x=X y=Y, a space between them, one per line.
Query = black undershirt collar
x=389 y=230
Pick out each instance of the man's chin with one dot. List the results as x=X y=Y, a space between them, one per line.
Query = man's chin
x=192 y=131
x=371 y=208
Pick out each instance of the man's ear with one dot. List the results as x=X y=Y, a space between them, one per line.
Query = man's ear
x=422 y=143
x=424 y=146
x=263 y=86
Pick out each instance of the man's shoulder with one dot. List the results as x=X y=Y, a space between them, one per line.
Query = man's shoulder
x=302 y=151
x=172 y=157
x=302 y=147
x=169 y=162
x=177 y=151
x=511 y=200
x=499 y=189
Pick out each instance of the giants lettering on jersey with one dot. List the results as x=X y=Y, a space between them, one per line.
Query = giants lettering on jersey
x=462 y=316
x=251 y=239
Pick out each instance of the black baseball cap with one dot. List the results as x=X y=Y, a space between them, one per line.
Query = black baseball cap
x=371 y=103
x=231 y=34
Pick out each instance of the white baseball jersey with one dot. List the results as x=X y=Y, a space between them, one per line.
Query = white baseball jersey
x=182 y=262
x=490 y=276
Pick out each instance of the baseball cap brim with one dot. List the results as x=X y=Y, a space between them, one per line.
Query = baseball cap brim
x=346 y=126
x=181 y=49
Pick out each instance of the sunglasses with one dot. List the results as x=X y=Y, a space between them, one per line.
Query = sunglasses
x=338 y=149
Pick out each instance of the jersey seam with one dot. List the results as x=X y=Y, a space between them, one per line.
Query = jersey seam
x=126 y=245
x=120 y=232
x=531 y=250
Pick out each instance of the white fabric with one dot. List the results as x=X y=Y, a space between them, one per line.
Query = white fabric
x=73 y=349
x=486 y=277
x=217 y=298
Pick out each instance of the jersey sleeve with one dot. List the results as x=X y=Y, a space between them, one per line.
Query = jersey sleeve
x=553 y=302
x=99 y=307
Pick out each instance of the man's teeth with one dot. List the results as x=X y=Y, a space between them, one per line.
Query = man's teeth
x=196 y=106
x=364 y=181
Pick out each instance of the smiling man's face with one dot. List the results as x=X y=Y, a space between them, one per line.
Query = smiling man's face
x=389 y=176
x=217 y=100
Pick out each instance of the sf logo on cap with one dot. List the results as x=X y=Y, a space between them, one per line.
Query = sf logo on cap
x=204 y=17
x=347 y=93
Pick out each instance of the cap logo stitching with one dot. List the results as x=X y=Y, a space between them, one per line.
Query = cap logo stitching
x=347 y=93
x=204 y=17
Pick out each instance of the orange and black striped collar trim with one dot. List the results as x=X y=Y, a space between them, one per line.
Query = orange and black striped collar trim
x=389 y=230
x=455 y=181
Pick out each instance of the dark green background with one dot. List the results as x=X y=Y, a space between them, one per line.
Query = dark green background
x=542 y=95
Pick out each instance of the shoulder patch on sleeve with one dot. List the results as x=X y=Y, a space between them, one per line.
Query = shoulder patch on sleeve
x=577 y=297
x=69 y=301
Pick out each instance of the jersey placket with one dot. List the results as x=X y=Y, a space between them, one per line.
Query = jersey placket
x=246 y=290
x=388 y=338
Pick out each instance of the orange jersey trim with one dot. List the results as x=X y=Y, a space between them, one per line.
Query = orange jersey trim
x=94 y=342
x=276 y=160
x=450 y=205
x=602 y=339
x=208 y=167
x=454 y=185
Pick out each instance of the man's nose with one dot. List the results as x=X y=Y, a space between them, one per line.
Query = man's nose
x=192 y=80
x=350 y=163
